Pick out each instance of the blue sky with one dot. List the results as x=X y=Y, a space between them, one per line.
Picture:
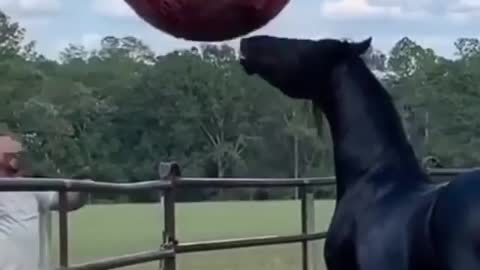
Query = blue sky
x=432 y=23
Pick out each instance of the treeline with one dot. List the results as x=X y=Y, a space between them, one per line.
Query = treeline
x=113 y=113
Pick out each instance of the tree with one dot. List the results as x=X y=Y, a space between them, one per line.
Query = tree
x=115 y=112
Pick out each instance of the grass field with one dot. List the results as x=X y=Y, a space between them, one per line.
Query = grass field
x=110 y=230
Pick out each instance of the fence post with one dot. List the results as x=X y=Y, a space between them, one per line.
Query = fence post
x=169 y=171
x=63 y=229
x=310 y=251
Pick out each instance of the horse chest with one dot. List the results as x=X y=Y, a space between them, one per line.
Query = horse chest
x=339 y=251
x=385 y=229
x=351 y=234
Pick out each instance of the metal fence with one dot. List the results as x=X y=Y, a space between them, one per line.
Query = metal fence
x=170 y=182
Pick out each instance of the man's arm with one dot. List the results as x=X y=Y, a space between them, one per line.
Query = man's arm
x=50 y=200
x=75 y=201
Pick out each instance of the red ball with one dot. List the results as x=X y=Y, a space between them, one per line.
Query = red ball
x=207 y=20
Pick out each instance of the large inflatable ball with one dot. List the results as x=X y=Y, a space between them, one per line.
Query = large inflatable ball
x=207 y=20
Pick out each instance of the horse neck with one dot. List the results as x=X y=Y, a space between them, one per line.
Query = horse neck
x=368 y=136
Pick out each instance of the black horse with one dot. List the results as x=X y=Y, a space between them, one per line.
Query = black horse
x=389 y=215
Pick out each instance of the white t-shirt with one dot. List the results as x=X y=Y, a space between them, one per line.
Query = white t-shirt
x=20 y=228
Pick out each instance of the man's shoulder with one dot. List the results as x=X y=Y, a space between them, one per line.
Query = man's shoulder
x=18 y=206
x=25 y=200
x=17 y=197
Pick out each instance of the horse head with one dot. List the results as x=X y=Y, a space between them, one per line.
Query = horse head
x=300 y=68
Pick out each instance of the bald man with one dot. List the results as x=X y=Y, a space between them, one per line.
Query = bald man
x=20 y=212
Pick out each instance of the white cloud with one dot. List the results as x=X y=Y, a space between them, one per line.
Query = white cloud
x=91 y=40
x=350 y=8
x=438 y=7
x=413 y=5
x=470 y=3
x=112 y=8
x=31 y=8
x=457 y=10
x=355 y=9
x=469 y=7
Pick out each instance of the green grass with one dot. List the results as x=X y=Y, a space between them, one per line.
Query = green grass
x=110 y=230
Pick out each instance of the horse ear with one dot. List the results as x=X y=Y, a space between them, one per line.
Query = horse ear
x=361 y=47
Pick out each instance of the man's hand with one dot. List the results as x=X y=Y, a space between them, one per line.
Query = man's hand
x=75 y=200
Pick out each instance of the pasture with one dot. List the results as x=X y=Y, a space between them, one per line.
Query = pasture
x=110 y=230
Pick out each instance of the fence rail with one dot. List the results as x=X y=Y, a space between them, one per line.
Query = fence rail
x=171 y=180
